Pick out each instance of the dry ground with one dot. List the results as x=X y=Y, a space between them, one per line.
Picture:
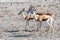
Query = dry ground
x=12 y=24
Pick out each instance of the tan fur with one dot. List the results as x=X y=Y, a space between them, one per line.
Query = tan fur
x=36 y=17
x=27 y=16
x=41 y=16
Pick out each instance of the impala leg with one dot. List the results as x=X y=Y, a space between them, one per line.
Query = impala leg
x=39 y=24
x=51 y=23
x=27 y=24
x=49 y=29
x=51 y=26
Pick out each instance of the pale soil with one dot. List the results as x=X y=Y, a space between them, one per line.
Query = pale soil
x=11 y=21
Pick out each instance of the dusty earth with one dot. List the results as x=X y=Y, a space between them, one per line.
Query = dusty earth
x=12 y=24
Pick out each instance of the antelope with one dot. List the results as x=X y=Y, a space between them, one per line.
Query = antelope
x=44 y=16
